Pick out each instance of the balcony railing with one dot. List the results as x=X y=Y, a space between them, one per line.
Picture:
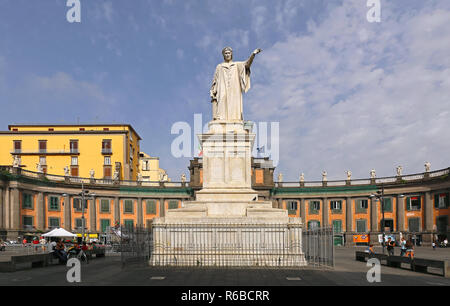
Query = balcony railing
x=359 y=182
x=44 y=152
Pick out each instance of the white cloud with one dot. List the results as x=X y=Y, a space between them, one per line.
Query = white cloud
x=354 y=95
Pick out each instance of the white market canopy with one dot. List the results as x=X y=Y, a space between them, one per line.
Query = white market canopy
x=59 y=232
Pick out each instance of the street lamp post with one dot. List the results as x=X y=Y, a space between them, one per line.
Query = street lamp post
x=84 y=194
x=380 y=197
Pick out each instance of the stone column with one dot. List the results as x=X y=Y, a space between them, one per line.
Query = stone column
x=140 y=220
x=325 y=212
x=280 y=203
x=2 y=204
x=40 y=212
x=6 y=209
x=348 y=215
x=67 y=214
x=93 y=215
x=429 y=207
x=162 y=210
x=400 y=214
x=373 y=215
x=116 y=210
x=303 y=210
x=15 y=209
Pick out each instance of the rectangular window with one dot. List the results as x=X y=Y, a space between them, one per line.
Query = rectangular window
x=414 y=224
x=53 y=203
x=292 y=207
x=314 y=207
x=43 y=160
x=150 y=206
x=104 y=206
x=362 y=205
x=336 y=206
x=74 y=161
x=73 y=146
x=442 y=224
x=387 y=204
x=27 y=222
x=17 y=146
x=79 y=223
x=129 y=224
x=441 y=200
x=128 y=206
x=313 y=224
x=105 y=223
x=173 y=204
x=361 y=226
x=107 y=172
x=42 y=146
x=107 y=161
x=106 y=146
x=337 y=226
x=27 y=201
x=77 y=205
x=413 y=203
x=73 y=170
x=53 y=222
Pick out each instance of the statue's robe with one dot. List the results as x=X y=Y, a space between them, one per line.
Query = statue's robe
x=230 y=81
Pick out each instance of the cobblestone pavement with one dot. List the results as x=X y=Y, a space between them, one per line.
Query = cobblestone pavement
x=347 y=272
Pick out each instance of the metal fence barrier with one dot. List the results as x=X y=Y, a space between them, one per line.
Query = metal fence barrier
x=226 y=245
x=318 y=247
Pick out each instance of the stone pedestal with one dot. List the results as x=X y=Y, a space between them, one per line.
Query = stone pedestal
x=227 y=224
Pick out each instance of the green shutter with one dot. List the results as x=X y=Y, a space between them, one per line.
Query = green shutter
x=337 y=226
x=105 y=223
x=151 y=207
x=27 y=201
x=387 y=204
x=128 y=206
x=173 y=204
x=129 y=224
x=105 y=205
x=436 y=200
x=408 y=203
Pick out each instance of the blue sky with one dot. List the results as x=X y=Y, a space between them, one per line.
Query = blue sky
x=348 y=94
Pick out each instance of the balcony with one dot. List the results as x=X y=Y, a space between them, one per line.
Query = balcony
x=106 y=151
x=45 y=152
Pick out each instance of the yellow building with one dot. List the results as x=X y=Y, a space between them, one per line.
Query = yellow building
x=80 y=148
x=149 y=168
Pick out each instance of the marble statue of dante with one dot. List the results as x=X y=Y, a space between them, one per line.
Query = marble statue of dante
x=231 y=79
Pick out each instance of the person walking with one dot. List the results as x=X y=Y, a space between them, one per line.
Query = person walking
x=390 y=246
x=403 y=246
x=409 y=249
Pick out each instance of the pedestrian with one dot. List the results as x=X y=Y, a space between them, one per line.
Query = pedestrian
x=35 y=243
x=403 y=246
x=445 y=242
x=24 y=241
x=390 y=246
x=433 y=244
x=409 y=249
x=370 y=250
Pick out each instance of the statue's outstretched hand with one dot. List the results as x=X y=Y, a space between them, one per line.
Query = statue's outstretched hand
x=257 y=51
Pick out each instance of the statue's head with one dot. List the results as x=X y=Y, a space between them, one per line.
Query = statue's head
x=227 y=53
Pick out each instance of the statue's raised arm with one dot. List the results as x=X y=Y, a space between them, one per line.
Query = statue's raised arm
x=250 y=59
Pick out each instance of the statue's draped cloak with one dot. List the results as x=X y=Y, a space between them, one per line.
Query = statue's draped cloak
x=230 y=81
